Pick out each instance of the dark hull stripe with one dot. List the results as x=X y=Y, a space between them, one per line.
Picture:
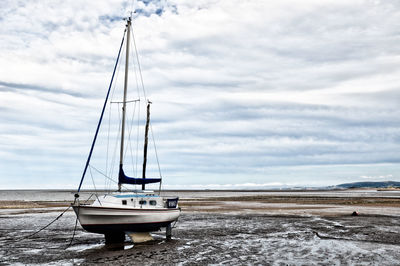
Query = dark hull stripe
x=132 y=223
x=112 y=228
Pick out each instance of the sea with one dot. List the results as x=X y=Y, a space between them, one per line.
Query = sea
x=68 y=195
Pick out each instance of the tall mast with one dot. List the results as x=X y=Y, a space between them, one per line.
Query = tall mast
x=146 y=140
x=121 y=153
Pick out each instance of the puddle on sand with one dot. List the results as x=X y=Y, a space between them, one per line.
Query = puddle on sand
x=81 y=248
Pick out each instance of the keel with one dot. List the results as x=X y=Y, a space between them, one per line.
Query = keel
x=168 y=232
x=114 y=237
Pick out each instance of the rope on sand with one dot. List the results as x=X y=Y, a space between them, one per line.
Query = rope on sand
x=73 y=234
x=44 y=227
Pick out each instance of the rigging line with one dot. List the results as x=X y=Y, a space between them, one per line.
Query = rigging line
x=137 y=140
x=130 y=126
x=135 y=71
x=86 y=201
x=129 y=137
x=90 y=171
x=138 y=124
x=115 y=147
x=109 y=121
x=98 y=171
x=134 y=155
x=113 y=158
x=140 y=69
x=158 y=163
x=155 y=149
x=138 y=119
x=107 y=184
x=101 y=116
x=108 y=144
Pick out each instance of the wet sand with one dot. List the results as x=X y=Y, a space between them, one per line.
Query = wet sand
x=280 y=230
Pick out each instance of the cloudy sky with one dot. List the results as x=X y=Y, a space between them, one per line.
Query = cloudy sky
x=245 y=93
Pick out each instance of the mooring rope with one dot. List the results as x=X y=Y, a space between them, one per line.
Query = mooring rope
x=73 y=234
x=41 y=229
x=175 y=224
x=44 y=227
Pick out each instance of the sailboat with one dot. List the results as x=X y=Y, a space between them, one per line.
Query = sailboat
x=116 y=213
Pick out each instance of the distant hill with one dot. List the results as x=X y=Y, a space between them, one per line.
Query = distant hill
x=381 y=184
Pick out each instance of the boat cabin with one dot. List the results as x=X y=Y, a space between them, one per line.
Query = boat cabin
x=144 y=200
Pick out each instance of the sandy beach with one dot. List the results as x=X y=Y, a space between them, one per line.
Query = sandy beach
x=277 y=229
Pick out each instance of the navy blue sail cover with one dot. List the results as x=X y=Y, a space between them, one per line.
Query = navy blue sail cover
x=123 y=179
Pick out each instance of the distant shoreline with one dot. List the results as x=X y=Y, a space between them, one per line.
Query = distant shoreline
x=213 y=190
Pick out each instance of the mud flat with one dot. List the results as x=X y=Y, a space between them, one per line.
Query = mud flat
x=283 y=230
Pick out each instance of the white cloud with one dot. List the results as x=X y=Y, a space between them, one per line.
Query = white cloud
x=249 y=91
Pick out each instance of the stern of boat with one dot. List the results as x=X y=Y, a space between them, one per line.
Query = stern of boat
x=172 y=203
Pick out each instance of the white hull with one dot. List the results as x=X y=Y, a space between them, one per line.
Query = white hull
x=98 y=219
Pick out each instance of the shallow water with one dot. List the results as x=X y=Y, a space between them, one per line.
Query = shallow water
x=56 y=195
x=210 y=238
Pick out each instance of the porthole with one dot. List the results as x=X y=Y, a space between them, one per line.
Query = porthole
x=153 y=202
x=123 y=202
x=142 y=202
